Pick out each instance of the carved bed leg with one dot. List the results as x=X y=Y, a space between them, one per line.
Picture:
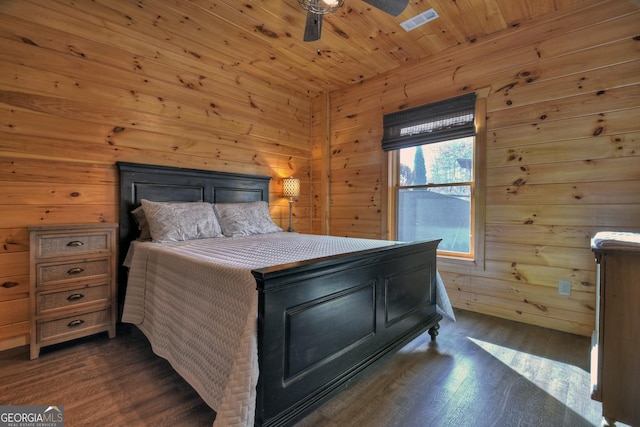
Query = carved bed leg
x=433 y=331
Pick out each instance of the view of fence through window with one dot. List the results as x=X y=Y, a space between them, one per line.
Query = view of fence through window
x=434 y=196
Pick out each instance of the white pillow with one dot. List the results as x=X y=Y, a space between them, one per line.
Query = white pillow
x=175 y=221
x=245 y=219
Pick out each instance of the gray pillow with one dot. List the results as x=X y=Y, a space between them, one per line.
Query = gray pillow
x=143 y=225
x=175 y=221
x=245 y=219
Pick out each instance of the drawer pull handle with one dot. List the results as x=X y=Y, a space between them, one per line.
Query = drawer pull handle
x=76 y=270
x=75 y=297
x=77 y=322
x=9 y=284
x=75 y=243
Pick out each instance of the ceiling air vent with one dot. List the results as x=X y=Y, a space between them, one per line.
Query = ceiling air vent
x=420 y=19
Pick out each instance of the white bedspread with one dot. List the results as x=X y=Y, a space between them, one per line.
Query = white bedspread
x=196 y=301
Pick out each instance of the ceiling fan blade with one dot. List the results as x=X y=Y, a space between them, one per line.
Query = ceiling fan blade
x=313 y=27
x=392 y=7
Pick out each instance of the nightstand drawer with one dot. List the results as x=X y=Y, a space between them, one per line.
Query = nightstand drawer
x=52 y=301
x=53 y=328
x=49 y=245
x=55 y=273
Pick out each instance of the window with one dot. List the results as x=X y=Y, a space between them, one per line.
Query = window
x=434 y=194
x=433 y=161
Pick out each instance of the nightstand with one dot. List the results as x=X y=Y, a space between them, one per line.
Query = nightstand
x=72 y=282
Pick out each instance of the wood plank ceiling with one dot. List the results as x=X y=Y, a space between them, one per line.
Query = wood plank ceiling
x=264 y=37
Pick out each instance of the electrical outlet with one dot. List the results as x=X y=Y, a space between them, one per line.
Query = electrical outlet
x=564 y=287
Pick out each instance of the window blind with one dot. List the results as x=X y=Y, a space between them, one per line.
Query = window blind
x=440 y=121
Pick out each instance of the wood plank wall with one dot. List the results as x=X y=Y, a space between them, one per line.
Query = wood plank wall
x=86 y=84
x=563 y=156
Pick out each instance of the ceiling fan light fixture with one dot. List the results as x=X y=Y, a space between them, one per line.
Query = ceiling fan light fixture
x=321 y=7
x=317 y=8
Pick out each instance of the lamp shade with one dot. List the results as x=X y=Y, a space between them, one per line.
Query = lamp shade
x=290 y=187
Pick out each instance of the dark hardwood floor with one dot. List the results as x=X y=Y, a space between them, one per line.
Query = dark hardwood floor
x=482 y=371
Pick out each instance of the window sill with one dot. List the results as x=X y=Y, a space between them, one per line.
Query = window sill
x=456 y=263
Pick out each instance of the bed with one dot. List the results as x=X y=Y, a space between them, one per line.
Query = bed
x=292 y=329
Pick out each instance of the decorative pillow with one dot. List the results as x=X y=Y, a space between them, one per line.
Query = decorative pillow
x=143 y=225
x=175 y=221
x=245 y=219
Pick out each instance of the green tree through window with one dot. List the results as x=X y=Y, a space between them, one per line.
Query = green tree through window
x=419 y=169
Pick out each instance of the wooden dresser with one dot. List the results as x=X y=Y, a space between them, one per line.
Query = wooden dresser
x=72 y=282
x=615 y=368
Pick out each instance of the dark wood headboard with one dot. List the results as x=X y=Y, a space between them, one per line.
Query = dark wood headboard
x=164 y=184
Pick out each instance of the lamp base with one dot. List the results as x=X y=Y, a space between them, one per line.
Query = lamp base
x=290 y=229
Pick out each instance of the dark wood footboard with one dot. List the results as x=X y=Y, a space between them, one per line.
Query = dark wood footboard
x=322 y=322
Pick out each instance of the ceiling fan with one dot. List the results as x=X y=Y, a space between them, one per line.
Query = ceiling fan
x=316 y=8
